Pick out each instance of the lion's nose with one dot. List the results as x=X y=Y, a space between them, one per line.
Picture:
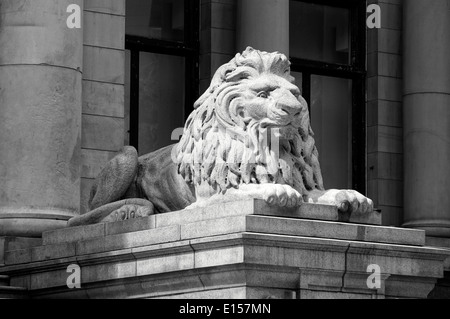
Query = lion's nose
x=289 y=101
x=291 y=106
x=292 y=110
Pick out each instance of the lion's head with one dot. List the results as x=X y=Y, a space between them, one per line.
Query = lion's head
x=251 y=126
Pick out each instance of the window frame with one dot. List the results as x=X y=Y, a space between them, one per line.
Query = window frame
x=189 y=49
x=356 y=72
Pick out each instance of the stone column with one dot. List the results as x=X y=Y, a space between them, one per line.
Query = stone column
x=40 y=116
x=427 y=115
x=263 y=25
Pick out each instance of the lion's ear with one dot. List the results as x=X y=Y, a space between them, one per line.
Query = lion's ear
x=248 y=50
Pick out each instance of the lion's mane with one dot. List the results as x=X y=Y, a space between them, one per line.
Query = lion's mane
x=217 y=147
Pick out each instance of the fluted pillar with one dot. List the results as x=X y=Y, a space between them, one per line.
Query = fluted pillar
x=427 y=115
x=263 y=25
x=40 y=116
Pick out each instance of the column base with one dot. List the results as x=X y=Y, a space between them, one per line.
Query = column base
x=31 y=222
x=433 y=227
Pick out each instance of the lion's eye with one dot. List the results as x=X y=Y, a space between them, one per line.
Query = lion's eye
x=263 y=95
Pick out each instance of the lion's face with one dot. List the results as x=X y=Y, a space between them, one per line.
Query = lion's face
x=274 y=102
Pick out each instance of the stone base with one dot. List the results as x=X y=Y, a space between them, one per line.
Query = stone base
x=442 y=288
x=8 y=244
x=232 y=250
x=16 y=243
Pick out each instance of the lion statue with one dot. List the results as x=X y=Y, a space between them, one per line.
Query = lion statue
x=249 y=136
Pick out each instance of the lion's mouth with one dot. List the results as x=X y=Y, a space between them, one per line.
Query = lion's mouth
x=286 y=136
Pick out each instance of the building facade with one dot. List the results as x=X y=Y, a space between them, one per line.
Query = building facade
x=71 y=98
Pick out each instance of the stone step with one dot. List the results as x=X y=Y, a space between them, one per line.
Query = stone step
x=303 y=228
x=4 y=281
x=227 y=218
x=8 y=243
x=223 y=210
x=175 y=230
x=7 y=292
x=260 y=207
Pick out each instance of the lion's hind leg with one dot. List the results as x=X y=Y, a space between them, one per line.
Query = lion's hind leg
x=115 y=179
x=108 y=202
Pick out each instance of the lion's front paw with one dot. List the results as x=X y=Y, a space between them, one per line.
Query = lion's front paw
x=273 y=194
x=129 y=212
x=350 y=201
x=281 y=195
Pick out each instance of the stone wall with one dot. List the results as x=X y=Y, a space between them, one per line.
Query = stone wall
x=103 y=88
x=384 y=113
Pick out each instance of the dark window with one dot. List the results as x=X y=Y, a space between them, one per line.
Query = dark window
x=162 y=69
x=327 y=45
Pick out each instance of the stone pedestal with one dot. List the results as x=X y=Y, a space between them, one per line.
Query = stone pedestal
x=235 y=250
x=40 y=116
x=10 y=244
x=263 y=24
x=426 y=108
x=16 y=243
